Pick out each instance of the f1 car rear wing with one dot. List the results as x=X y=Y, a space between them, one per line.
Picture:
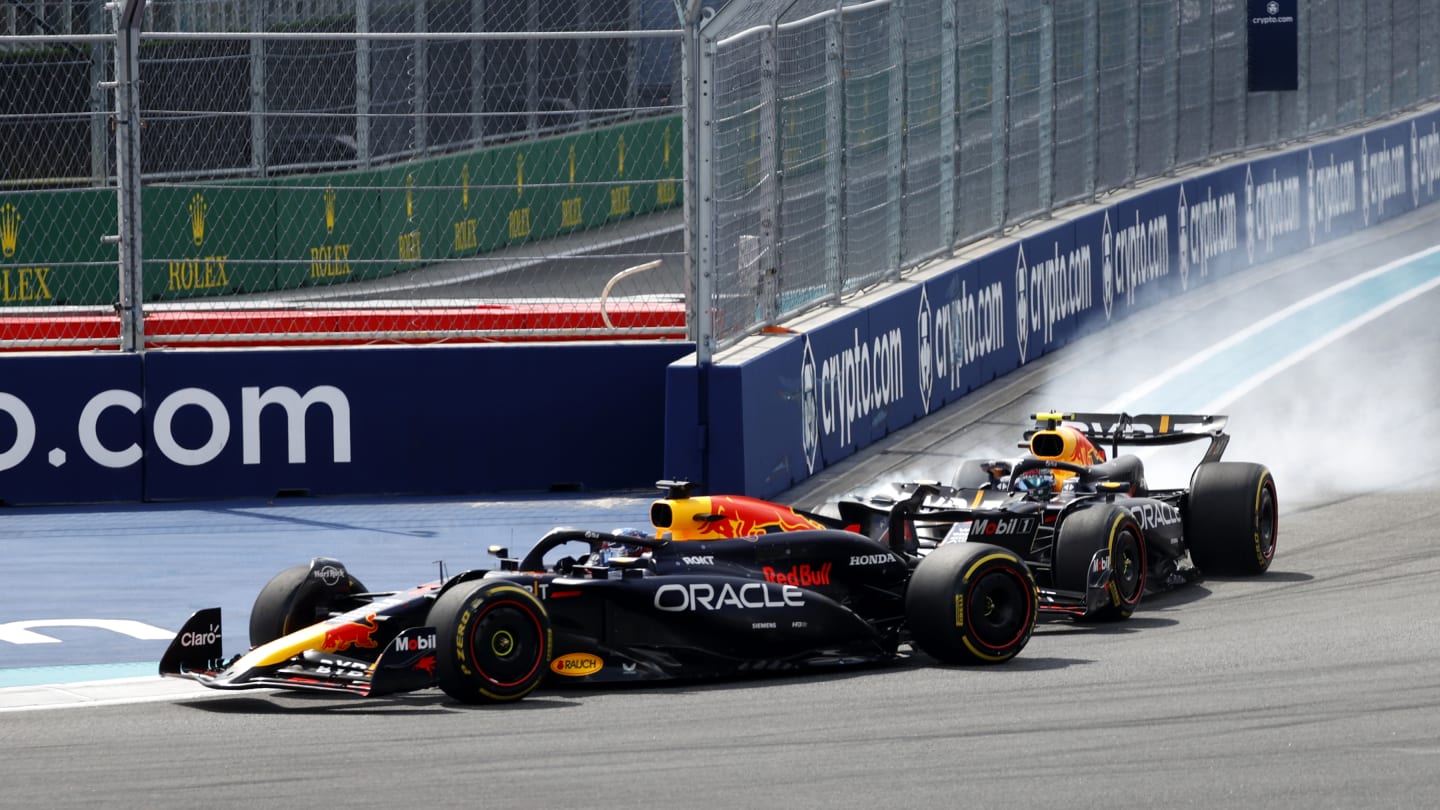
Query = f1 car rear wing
x=1141 y=429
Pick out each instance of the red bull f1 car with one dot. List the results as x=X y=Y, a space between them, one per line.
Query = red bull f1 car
x=1094 y=534
x=721 y=585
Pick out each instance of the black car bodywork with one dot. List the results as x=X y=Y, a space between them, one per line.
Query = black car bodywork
x=1101 y=537
x=727 y=585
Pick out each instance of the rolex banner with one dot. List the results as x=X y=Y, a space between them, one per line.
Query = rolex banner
x=1273 y=34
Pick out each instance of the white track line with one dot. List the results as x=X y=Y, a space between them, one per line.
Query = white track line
x=1123 y=401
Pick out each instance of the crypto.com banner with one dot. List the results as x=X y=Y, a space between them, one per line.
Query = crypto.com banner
x=782 y=407
x=209 y=425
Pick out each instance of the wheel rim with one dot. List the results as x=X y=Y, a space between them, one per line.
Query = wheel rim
x=1127 y=567
x=507 y=643
x=999 y=606
x=1265 y=524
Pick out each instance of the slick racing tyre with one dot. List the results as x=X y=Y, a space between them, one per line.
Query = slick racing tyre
x=1232 y=519
x=1111 y=528
x=299 y=597
x=493 y=640
x=971 y=603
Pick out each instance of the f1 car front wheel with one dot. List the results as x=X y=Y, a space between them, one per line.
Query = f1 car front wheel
x=971 y=603
x=1232 y=519
x=494 y=641
x=1114 y=530
x=299 y=597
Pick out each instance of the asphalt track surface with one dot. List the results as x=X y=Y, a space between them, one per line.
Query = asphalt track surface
x=1314 y=686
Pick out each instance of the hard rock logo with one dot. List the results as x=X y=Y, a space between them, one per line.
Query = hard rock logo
x=198 y=207
x=9 y=229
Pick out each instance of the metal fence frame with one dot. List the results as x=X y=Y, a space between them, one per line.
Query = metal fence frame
x=1038 y=104
x=832 y=145
x=125 y=154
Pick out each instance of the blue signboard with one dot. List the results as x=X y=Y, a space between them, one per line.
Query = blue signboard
x=1273 y=36
x=200 y=425
x=405 y=420
x=206 y=425
x=70 y=429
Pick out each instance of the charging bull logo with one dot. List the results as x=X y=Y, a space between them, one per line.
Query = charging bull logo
x=736 y=517
x=345 y=635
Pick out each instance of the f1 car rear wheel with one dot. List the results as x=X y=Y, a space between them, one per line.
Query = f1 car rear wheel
x=971 y=603
x=1232 y=518
x=294 y=599
x=1113 y=529
x=493 y=639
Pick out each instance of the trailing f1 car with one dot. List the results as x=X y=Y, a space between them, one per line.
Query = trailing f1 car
x=1094 y=534
x=722 y=585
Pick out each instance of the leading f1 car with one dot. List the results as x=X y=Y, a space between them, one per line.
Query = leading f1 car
x=720 y=585
x=1094 y=533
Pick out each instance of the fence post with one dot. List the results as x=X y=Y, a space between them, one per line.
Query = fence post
x=835 y=149
x=895 y=143
x=420 y=136
x=127 y=165
x=770 y=192
x=477 y=74
x=1045 y=151
x=948 y=142
x=99 y=137
x=697 y=74
x=362 y=84
x=1000 y=120
x=259 y=150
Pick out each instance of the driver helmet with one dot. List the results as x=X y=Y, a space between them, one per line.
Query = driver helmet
x=1036 y=481
x=610 y=549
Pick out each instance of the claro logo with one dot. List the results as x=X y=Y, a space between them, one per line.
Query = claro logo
x=253 y=402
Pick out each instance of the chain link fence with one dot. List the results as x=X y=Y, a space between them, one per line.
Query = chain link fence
x=56 y=146
x=445 y=170
x=417 y=170
x=848 y=142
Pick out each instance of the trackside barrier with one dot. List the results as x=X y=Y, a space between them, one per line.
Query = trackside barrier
x=367 y=421
x=769 y=413
x=780 y=407
x=348 y=325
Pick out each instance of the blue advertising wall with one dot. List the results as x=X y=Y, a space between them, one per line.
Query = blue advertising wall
x=847 y=378
x=69 y=430
x=204 y=425
x=765 y=416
